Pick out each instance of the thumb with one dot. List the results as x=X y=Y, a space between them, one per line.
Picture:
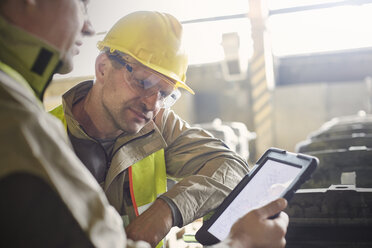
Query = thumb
x=272 y=208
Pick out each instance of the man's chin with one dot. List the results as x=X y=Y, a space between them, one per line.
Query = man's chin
x=134 y=129
x=65 y=68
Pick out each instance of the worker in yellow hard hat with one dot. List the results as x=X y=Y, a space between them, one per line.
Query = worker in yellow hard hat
x=123 y=130
x=154 y=40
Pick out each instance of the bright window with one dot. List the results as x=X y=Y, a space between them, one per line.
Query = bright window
x=325 y=29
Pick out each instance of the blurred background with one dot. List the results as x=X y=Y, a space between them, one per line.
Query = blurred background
x=281 y=67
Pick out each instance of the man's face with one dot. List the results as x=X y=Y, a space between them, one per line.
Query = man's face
x=68 y=22
x=126 y=109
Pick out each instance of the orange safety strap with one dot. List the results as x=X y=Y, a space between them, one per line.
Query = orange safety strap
x=131 y=191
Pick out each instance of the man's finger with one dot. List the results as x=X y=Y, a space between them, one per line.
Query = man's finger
x=272 y=208
x=283 y=220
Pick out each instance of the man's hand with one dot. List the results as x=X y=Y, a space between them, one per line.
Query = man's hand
x=152 y=225
x=255 y=229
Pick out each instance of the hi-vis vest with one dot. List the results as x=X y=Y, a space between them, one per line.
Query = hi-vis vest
x=147 y=177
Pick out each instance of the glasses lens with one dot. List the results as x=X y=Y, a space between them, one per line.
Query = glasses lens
x=171 y=99
x=147 y=83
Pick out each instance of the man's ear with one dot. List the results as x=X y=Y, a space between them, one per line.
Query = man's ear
x=102 y=63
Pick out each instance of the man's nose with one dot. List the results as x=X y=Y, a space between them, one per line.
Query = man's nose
x=88 y=29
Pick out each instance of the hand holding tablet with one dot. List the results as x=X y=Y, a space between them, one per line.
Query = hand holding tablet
x=277 y=174
x=255 y=229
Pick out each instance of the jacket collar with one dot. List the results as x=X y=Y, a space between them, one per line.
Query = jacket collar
x=32 y=58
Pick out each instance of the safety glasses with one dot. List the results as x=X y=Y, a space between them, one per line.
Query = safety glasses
x=146 y=82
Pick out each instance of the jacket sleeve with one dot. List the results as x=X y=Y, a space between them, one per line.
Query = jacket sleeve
x=207 y=170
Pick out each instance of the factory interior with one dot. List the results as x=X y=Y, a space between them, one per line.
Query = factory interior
x=295 y=75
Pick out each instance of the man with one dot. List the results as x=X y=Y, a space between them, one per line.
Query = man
x=48 y=198
x=122 y=129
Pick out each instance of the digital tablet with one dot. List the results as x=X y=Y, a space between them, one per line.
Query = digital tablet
x=277 y=174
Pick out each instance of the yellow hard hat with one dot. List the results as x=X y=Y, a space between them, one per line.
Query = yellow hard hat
x=154 y=40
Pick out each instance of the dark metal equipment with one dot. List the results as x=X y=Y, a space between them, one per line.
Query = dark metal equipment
x=334 y=208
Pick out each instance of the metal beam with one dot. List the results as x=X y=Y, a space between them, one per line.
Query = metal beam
x=319 y=6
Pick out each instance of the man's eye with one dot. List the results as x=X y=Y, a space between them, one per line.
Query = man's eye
x=147 y=84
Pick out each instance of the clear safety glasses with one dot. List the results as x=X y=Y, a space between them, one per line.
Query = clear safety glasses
x=146 y=82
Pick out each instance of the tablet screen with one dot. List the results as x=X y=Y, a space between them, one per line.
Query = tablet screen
x=266 y=185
